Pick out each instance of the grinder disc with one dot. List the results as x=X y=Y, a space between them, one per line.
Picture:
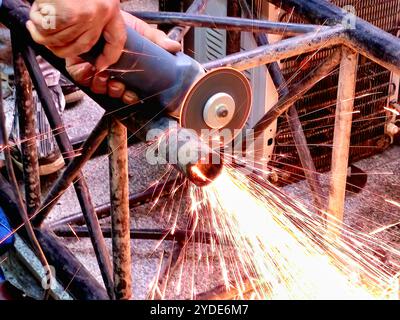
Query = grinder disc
x=226 y=90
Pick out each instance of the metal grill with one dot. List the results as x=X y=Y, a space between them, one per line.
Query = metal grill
x=317 y=108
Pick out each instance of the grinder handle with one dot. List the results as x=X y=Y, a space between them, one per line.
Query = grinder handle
x=151 y=71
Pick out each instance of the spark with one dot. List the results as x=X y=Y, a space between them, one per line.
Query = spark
x=394 y=111
x=280 y=250
x=395 y=203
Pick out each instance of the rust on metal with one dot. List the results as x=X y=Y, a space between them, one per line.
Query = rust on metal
x=120 y=218
x=27 y=127
x=341 y=140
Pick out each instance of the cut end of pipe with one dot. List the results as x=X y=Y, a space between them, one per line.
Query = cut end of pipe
x=204 y=174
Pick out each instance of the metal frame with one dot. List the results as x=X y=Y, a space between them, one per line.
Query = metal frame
x=364 y=39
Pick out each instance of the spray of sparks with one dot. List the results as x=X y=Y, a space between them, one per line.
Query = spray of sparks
x=280 y=250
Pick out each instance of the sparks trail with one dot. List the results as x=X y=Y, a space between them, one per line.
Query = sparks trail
x=276 y=246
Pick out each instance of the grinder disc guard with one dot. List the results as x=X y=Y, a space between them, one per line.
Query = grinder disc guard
x=218 y=87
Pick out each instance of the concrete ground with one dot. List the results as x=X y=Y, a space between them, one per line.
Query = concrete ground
x=365 y=211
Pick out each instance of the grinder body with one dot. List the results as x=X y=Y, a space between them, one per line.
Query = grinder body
x=152 y=72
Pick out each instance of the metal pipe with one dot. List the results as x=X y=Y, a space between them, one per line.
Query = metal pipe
x=226 y=23
x=27 y=119
x=157 y=191
x=120 y=218
x=281 y=50
x=297 y=90
x=361 y=36
x=341 y=140
x=180 y=147
x=178 y=33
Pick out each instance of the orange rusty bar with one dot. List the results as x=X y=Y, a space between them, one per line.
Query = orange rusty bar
x=119 y=187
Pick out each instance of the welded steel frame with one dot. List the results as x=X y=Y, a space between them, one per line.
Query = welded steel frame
x=328 y=31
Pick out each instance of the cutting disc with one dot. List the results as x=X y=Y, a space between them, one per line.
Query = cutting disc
x=219 y=102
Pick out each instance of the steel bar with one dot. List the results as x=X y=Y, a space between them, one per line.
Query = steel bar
x=28 y=140
x=361 y=36
x=155 y=192
x=281 y=50
x=76 y=279
x=297 y=90
x=178 y=146
x=140 y=234
x=310 y=172
x=226 y=23
x=120 y=217
x=341 y=139
x=197 y=7
x=233 y=37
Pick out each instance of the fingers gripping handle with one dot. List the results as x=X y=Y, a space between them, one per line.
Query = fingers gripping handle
x=150 y=71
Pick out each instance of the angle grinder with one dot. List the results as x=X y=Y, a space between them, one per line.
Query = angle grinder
x=209 y=103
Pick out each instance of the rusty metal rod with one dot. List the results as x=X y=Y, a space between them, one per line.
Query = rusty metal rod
x=281 y=50
x=341 y=140
x=157 y=191
x=120 y=217
x=226 y=23
x=178 y=146
x=178 y=33
x=297 y=90
x=310 y=171
x=27 y=128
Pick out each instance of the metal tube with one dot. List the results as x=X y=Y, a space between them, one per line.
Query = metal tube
x=120 y=218
x=180 y=147
x=197 y=7
x=26 y=117
x=281 y=50
x=297 y=90
x=226 y=23
x=341 y=140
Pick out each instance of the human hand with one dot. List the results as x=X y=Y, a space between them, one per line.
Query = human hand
x=77 y=27
x=87 y=75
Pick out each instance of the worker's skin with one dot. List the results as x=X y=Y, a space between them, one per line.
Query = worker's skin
x=78 y=26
